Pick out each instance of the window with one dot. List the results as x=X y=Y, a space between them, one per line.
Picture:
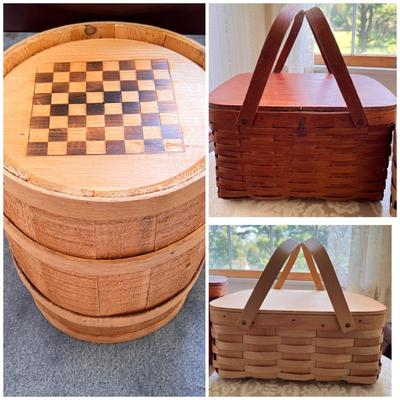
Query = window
x=249 y=247
x=365 y=32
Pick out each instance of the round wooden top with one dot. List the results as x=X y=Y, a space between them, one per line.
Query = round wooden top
x=299 y=301
x=309 y=91
x=215 y=280
x=106 y=117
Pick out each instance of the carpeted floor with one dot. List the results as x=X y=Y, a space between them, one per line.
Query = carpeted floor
x=41 y=361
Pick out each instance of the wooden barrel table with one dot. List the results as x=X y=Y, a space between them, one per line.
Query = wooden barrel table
x=104 y=174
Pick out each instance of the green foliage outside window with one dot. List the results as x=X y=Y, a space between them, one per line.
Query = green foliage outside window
x=363 y=28
x=249 y=247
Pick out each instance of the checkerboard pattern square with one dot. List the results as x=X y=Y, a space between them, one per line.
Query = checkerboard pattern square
x=104 y=107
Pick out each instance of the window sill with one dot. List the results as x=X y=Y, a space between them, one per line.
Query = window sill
x=369 y=61
x=322 y=68
x=237 y=284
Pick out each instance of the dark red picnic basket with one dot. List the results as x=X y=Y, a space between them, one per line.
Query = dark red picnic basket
x=311 y=135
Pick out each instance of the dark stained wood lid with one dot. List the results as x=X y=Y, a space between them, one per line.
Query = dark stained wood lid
x=308 y=91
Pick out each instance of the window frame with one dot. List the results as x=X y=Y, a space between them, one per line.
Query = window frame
x=255 y=274
x=362 y=61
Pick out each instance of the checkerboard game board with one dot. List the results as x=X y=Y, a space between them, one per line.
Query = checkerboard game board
x=104 y=107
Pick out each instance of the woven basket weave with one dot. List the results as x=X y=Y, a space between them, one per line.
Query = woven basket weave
x=298 y=138
x=297 y=335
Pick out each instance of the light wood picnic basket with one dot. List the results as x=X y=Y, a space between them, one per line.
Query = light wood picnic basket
x=311 y=135
x=298 y=335
x=105 y=213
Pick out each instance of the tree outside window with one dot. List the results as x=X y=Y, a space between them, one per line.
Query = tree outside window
x=363 y=28
x=249 y=247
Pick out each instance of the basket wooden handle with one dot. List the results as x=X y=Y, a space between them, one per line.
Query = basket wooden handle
x=287 y=48
x=290 y=263
x=267 y=279
x=313 y=248
x=330 y=52
x=335 y=292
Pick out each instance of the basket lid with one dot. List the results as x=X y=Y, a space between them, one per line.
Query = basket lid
x=308 y=91
x=106 y=117
x=298 y=301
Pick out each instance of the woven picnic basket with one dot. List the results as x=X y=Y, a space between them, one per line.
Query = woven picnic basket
x=311 y=135
x=300 y=335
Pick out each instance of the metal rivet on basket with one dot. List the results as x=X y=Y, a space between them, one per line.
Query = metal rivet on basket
x=323 y=325
x=348 y=325
x=244 y=121
x=243 y=322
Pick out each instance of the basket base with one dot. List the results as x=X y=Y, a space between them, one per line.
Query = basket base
x=114 y=329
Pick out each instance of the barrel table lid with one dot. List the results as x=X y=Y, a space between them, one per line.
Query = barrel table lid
x=217 y=286
x=217 y=280
x=105 y=117
x=308 y=91
x=298 y=301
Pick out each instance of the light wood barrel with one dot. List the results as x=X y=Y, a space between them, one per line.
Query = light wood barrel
x=104 y=182
x=105 y=160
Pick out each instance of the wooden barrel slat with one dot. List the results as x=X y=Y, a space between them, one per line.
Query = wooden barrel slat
x=108 y=329
x=103 y=288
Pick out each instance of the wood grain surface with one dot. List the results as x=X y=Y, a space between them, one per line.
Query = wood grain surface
x=108 y=287
x=111 y=107
x=298 y=345
x=104 y=228
x=111 y=205
x=108 y=329
x=302 y=301
x=280 y=135
x=307 y=91
x=299 y=335
x=102 y=175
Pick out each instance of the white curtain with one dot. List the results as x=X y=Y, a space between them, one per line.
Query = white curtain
x=362 y=259
x=237 y=33
x=301 y=58
x=370 y=263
